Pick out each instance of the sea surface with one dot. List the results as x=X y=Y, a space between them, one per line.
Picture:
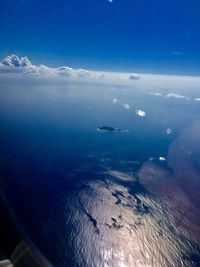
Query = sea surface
x=103 y=198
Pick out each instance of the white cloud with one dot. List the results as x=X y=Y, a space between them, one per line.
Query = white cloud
x=111 y=1
x=115 y=100
x=197 y=99
x=24 y=66
x=156 y=94
x=73 y=73
x=172 y=95
x=140 y=113
x=15 y=67
x=14 y=61
x=169 y=131
x=41 y=71
x=25 y=62
x=134 y=76
x=65 y=71
x=157 y=158
x=126 y=106
x=162 y=158
x=83 y=73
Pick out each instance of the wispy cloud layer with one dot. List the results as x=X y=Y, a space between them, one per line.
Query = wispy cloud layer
x=172 y=95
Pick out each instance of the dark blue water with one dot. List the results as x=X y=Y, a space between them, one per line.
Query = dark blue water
x=50 y=149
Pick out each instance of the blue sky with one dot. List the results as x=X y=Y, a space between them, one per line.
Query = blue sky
x=150 y=36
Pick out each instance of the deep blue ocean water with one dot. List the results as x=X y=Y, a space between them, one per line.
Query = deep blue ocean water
x=51 y=149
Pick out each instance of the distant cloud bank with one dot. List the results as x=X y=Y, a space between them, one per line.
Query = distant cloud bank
x=14 y=67
x=14 y=64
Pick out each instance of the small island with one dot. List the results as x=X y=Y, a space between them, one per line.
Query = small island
x=110 y=129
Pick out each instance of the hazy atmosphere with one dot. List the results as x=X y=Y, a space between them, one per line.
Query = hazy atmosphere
x=100 y=133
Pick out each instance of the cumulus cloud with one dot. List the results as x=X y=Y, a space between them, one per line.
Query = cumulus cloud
x=25 y=62
x=14 y=67
x=162 y=158
x=14 y=61
x=23 y=65
x=76 y=73
x=172 y=95
x=140 y=112
x=134 y=76
x=40 y=71
x=126 y=106
x=65 y=71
